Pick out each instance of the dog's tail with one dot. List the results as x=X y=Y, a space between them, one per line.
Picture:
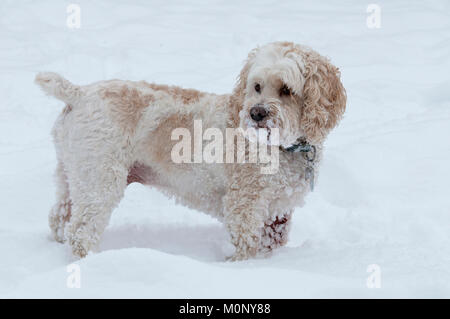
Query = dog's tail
x=55 y=85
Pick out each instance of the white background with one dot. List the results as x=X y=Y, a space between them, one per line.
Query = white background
x=382 y=196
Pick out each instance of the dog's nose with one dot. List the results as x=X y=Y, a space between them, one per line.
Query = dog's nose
x=258 y=113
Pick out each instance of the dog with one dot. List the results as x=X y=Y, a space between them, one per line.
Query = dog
x=114 y=133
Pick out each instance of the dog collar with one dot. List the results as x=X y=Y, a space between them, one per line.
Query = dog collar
x=302 y=147
x=309 y=154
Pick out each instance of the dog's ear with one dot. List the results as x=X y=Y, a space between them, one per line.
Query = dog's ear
x=238 y=96
x=324 y=97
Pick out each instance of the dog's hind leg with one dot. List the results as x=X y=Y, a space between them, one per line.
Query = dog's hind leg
x=61 y=211
x=96 y=192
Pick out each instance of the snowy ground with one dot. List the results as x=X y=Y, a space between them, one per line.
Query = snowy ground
x=383 y=194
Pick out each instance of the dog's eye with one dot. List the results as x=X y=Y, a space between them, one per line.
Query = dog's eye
x=285 y=90
x=258 y=88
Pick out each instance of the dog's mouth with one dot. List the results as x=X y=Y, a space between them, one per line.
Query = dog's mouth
x=263 y=131
x=266 y=127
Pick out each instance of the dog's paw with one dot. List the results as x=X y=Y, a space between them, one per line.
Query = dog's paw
x=245 y=249
x=59 y=215
x=78 y=248
x=237 y=257
x=81 y=240
x=57 y=228
x=275 y=233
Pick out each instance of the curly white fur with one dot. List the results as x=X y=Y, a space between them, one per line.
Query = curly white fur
x=113 y=133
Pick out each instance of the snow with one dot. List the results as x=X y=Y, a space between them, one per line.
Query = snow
x=382 y=196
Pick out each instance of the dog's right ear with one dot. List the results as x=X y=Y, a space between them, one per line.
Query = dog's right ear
x=324 y=97
x=237 y=98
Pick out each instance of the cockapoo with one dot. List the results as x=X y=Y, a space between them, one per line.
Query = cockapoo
x=113 y=133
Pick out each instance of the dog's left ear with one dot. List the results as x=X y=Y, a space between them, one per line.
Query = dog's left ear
x=324 y=97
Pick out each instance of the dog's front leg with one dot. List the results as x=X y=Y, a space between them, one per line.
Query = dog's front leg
x=245 y=223
x=276 y=231
x=246 y=207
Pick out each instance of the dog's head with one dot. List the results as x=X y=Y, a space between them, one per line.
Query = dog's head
x=292 y=88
